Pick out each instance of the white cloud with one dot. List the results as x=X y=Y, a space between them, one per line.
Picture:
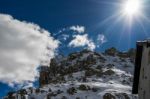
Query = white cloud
x=22 y=47
x=101 y=39
x=81 y=41
x=64 y=36
x=79 y=29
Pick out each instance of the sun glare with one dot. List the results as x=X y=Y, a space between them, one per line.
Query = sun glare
x=132 y=8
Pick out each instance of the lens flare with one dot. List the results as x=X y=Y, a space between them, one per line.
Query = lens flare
x=132 y=8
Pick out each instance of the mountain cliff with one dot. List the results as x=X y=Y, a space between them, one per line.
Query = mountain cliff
x=84 y=75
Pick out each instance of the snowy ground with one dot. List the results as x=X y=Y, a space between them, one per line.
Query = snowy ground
x=117 y=85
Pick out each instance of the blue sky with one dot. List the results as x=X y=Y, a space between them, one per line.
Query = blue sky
x=93 y=15
x=57 y=14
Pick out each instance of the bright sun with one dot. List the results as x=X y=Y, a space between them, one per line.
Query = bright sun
x=132 y=7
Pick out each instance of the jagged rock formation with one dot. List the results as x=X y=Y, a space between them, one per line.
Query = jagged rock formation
x=87 y=75
x=82 y=61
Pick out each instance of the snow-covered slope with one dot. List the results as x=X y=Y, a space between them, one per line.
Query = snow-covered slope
x=86 y=75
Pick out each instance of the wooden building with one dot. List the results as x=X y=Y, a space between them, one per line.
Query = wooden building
x=141 y=83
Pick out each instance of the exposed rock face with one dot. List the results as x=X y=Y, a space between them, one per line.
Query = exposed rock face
x=86 y=75
x=44 y=75
x=75 y=62
x=116 y=96
x=82 y=61
x=108 y=96
x=111 y=51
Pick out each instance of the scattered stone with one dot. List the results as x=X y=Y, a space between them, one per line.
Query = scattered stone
x=108 y=96
x=64 y=97
x=71 y=91
x=84 y=87
x=109 y=72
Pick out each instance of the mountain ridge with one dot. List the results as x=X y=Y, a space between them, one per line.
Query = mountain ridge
x=86 y=75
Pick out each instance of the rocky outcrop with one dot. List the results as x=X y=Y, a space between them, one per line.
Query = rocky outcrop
x=84 y=74
x=116 y=96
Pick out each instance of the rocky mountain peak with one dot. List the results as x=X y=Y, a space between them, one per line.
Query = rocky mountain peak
x=87 y=75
